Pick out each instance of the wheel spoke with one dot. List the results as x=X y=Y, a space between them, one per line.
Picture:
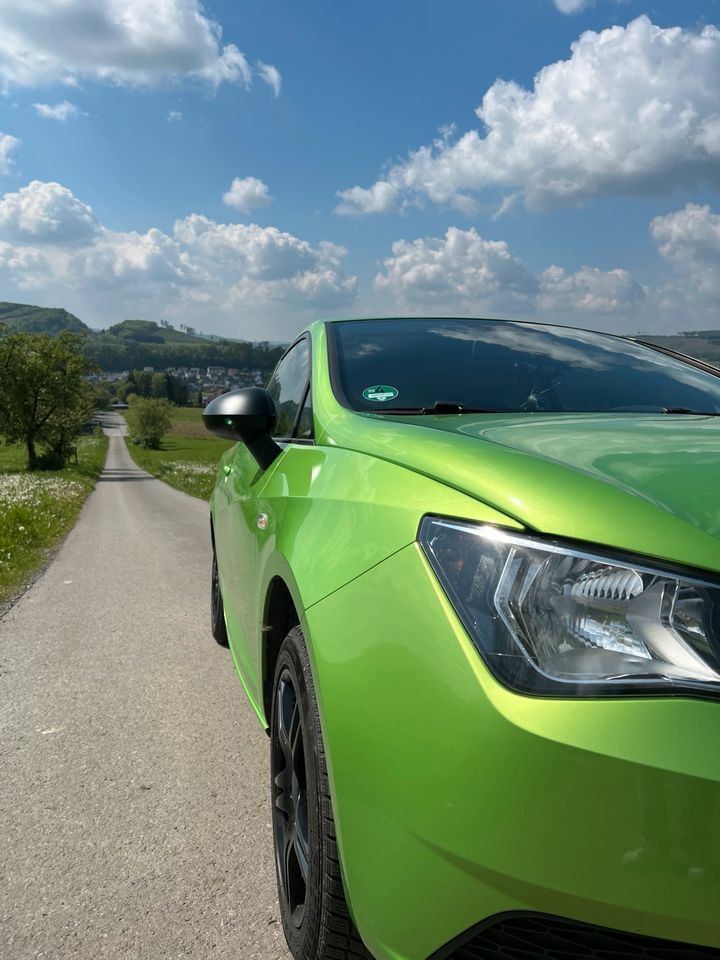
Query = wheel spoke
x=283 y=799
x=295 y=729
x=302 y=854
x=286 y=704
x=288 y=839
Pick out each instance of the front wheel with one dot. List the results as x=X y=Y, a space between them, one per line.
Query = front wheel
x=315 y=917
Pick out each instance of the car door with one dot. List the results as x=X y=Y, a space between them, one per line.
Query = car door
x=288 y=387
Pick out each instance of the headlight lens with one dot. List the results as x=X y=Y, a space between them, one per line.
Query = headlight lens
x=549 y=619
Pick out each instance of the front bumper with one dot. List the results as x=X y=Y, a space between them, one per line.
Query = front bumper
x=456 y=799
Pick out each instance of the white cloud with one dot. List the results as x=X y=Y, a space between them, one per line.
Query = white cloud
x=460 y=271
x=7 y=145
x=126 y=42
x=381 y=197
x=271 y=76
x=59 y=111
x=213 y=275
x=247 y=194
x=463 y=273
x=689 y=240
x=46 y=213
x=588 y=291
x=174 y=116
x=572 y=6
x=634 y=109
x=264 y=264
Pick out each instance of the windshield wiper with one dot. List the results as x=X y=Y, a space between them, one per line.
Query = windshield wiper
x=440 y=406
x=689 y=412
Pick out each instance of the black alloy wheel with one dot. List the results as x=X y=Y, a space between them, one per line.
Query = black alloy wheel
x=291 y=824
x=217 y=610
x=313 y=908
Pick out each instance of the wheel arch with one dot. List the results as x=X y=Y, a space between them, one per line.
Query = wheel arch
x=282 y=610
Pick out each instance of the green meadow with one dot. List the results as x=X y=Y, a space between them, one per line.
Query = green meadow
x=188 y=454
x=38 y=507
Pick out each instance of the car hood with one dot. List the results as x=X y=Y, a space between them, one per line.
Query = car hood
x=640 y=482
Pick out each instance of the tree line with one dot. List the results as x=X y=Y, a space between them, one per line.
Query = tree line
x=110 y=353
x=158 y=386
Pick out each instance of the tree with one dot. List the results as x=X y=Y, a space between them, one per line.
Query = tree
x=148 y=420
x=159 y=386
x=44 y=396
x=103 y=396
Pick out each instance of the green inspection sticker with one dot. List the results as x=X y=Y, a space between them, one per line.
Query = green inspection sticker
x=380 y=393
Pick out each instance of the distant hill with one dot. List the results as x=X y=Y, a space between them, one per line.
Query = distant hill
x=27 y=318
x=134 y=344
x=702 y=344
x=147 y=331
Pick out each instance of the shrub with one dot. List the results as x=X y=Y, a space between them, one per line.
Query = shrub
x=148 y=421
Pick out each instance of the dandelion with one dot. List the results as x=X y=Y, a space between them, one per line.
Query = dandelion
x=189 y=469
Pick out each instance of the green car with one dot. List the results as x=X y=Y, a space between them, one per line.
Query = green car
x=469 y=574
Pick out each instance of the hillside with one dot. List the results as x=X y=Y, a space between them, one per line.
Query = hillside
x=26 y=318
x=703 y=344
x=147 y=331
x=134 y=344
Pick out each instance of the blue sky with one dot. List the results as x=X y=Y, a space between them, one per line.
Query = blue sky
x=586 y=193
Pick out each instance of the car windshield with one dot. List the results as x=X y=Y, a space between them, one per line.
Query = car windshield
x=451 y=366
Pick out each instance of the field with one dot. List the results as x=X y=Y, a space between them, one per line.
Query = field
x=37 y=508
x=188 y=456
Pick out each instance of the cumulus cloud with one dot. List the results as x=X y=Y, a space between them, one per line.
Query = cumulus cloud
x=130 y=43
x=634 y=109
x=464 y=273
x=381 y=197
x=271 y=76
x=59 y=111
x=689 y=240
x=459 y=270
x=46 y=213
x=263 y=264
x=572 y=6
x=52 y=243
x=7 y=145
x=588 y=291
x=247 y=194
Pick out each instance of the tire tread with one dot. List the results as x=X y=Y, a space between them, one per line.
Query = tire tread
x=339 y=939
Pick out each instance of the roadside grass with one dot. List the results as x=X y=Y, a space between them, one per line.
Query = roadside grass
x=188 y=455
x=187 y=422
x=38 y=507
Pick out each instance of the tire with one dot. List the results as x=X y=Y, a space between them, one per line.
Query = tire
x=217 y=610
x=313 y=909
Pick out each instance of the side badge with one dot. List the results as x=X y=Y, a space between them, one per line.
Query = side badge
x=262 y=521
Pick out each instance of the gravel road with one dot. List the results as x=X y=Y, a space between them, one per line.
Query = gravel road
x=134 y=815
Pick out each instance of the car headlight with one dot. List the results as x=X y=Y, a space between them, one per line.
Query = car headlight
x=554 y=620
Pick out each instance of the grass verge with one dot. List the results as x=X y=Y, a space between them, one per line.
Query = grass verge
x=188 y=456
x=38 y=507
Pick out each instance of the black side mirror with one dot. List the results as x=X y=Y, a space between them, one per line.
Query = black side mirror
x=248 y=415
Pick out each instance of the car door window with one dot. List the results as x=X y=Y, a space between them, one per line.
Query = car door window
x=287 y=387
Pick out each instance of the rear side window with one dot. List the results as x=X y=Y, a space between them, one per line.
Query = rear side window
x=287 y=387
